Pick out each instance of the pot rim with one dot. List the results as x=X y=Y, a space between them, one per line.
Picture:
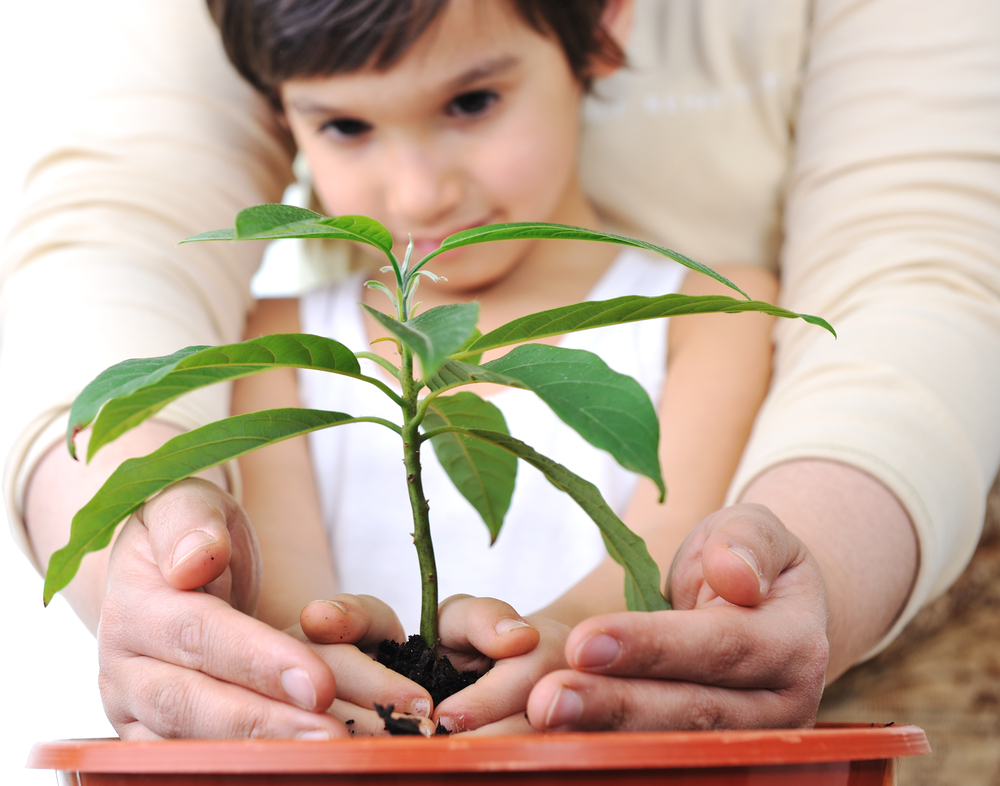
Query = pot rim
x=555 y=751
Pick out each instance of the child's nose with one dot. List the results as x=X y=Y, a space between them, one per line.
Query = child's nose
x=422 y=188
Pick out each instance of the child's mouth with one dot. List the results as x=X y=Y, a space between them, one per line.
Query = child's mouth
x=425 y=244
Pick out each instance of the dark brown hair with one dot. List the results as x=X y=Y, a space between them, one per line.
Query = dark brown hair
x=271 y=41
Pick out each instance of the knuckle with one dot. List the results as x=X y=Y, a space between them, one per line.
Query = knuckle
x=728 y=658
x=190 y=639
x=251 y=722
x=171 y=702
x=704 y=714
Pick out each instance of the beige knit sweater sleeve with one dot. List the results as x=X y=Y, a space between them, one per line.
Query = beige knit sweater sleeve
x=855 y=144
x=892 y=232
x=170 y=143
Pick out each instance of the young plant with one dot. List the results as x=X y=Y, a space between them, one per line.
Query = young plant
x=439 y=352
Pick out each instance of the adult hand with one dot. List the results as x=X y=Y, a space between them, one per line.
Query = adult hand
x=512 y=652
x=745 y=646
x=181 y=663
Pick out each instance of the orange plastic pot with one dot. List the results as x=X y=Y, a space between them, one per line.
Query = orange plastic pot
x=857 y=754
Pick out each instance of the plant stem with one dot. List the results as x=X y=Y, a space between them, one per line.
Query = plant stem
x=418 y=504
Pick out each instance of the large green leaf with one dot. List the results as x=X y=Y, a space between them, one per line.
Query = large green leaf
x=252 y=222
x=435 y=334
x=273 y=222
x=610 y=410
x=134 y=390
x=137 y=479
x=540 y=230
x=630 y=308
x=456 y=372
x=642 y=576
x=482 y=472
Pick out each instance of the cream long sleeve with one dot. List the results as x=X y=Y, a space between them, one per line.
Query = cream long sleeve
x=854 y=144
x=171 y=142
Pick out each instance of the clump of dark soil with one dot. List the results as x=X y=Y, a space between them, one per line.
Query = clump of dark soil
x=414 y=661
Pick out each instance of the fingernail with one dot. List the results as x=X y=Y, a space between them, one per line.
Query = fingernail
x=421 y=707
x=315 y=735
x=599 y=650
x=566 y=708
x=453 y=725
x=340 y=606
x=190 y=543
x=508 y=624
x=749 y=559
x=298 y=685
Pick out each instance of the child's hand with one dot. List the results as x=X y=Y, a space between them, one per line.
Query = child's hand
x=176 y=662
x=345 y=632
x=481 y=634
x=708 y=664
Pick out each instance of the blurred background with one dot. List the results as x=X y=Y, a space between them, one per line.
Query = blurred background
x=48 y=657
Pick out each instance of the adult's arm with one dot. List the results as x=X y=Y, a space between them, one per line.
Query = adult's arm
x=872 y=456
x=892 y=232
x=169 y=142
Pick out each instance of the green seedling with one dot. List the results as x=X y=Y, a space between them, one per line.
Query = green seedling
x=440 y=351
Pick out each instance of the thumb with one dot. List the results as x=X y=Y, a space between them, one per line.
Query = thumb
x=736 y=553
x=747 y=548
x=485 y=625
x=199 y=535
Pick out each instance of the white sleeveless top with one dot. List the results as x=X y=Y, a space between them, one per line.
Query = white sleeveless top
x=547 y=543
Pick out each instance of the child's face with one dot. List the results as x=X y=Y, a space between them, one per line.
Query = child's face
x=476 y=124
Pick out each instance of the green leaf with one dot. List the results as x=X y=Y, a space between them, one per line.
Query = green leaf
x=134 y=390
x=610 y=410
x=137 y=479
x=642 y=576
x=533 y=230
x=456 y=372
x=261 y=219
x=619 y=310
x=212 y=234
x=273 y=222
x=434 y=334
x=482 y=472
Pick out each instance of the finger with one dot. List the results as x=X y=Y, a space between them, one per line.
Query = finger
x=737 y=554
x=503 y=691
x=513 y=724
x=570 y=700
x=142 y=615
x=195 y=530
x=773 y=646
x=360 y=721
x=365 y=682
x=747 y=549
x=150 y=699
x=484 y=625
x=362 y=620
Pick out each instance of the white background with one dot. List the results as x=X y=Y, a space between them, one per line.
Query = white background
x=48 y=658
x=49 y=661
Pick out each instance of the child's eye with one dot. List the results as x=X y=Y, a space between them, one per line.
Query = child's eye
x=346 y=127
x=473 y=103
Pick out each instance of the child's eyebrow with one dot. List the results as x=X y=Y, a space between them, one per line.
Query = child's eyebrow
x=486 y=70
x=490 y=68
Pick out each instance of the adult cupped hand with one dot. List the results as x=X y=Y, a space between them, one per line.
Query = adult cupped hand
x=181 y=654
x=744 y=647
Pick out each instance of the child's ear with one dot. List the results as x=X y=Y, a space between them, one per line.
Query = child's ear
x=617 y=22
